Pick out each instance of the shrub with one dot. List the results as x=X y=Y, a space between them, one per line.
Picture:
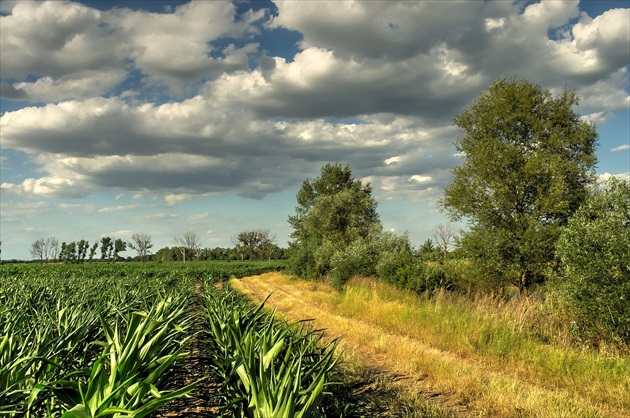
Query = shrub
x=595 y=261
x=385 y=255
x=358 y=259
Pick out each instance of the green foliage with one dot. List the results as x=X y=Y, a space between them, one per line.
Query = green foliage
x=529 y=160
x=384 y=255
x=333 y=211
x=594 y=250
x=270 y=368
x=357 y=259
x=79 y=340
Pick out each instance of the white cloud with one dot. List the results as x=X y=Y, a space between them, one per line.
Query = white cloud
x=120 y=208
x=77 y=85
x=606 y=36
x=197 y=217
x=78 y=51
x=602 y=178
x=420 y=179
x=621 y=148
x=398 y=70
x=47 y=186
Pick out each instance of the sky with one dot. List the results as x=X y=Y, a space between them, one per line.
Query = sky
x=170 y=116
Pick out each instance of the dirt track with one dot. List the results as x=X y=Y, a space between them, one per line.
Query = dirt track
x=365 y=342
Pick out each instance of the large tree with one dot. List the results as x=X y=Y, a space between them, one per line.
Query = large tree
x=188 y=244
x=141 y=242
x=333 y=211
x=528 y=162
x=257 y=243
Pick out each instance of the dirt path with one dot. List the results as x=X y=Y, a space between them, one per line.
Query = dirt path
x=363 y=345
x=203 y=400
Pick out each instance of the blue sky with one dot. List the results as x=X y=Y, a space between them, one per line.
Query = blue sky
x=170 y=116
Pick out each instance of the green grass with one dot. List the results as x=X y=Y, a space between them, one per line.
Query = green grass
x=495 y=357
x=503 y=335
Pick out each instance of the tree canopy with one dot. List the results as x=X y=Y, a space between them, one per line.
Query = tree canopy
x=333 y=211
x=528 y=162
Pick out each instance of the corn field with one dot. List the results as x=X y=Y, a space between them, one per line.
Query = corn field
x=102 y=341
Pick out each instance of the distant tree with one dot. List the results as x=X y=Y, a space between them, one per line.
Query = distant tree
x=333 y=211
x=427 y=250
x=239 y=249
x=68 y=252
x=38 y=249
x=52 y=248
x=107 y=246
x=62 y=252
x=528 y=162
x=82 y=247
x=93 y=251
x=188 y=244
x=141 y=243
x=166 y=254
x=256 y=243
x=119 y=247
x=444 y=236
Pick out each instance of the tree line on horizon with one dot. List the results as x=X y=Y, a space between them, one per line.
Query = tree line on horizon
x=252 y=244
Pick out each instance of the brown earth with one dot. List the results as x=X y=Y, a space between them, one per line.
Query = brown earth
x=204 y=400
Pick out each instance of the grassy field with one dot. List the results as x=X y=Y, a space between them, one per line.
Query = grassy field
x=477 y=357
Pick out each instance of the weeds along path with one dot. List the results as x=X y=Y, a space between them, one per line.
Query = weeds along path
x=204 y=400
x=467 y=385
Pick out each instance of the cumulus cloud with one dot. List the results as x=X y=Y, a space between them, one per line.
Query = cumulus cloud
x=76 y=51
x=374 y=84
x=621 y=148
x=604 y=177
x=77 y=85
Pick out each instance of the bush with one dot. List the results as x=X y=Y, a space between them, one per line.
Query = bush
x=595 y=261
x=358 y=259
x=385 y=255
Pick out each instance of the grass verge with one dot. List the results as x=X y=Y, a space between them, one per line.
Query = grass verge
x=480 y=354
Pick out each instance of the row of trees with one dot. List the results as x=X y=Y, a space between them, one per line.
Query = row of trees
x=254 y=244
x=48 y=249
x=528 y=191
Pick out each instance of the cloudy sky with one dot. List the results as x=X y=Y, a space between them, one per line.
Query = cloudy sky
x=168 y=116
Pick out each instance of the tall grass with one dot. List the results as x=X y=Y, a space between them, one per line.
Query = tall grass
x=498 y=357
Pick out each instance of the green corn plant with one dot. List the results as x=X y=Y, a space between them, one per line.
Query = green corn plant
x=272 y=368
x=136 y=362
x=57 y=354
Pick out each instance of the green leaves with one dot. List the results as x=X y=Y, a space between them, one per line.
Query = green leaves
x=594 y=251
x=333 y=211
x=94 y=344
x=272 y=369
x=528 y=161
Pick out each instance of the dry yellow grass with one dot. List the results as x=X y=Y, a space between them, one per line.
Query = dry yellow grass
x=435 y=344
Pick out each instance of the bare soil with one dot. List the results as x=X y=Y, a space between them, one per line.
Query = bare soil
x=204 y=400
